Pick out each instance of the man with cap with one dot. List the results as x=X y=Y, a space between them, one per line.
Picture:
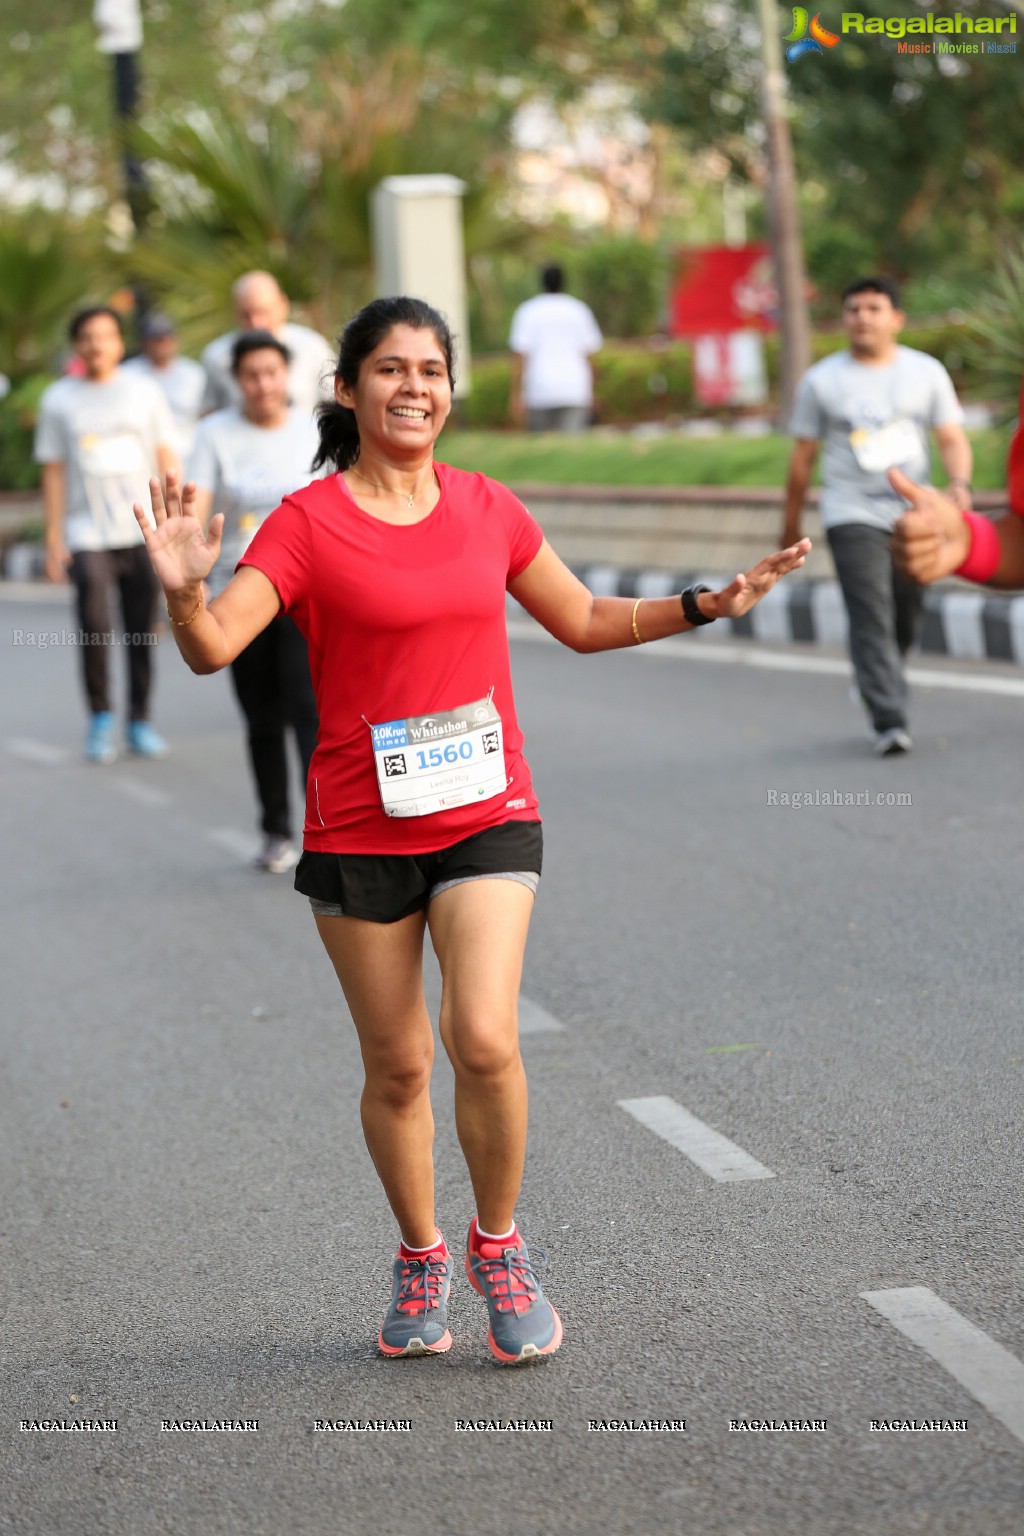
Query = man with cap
x=182 y=379
x=261 y=305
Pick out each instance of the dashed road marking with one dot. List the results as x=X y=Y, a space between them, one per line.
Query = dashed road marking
x=244 y=845
x=535 y=1020
x=37 y=752
x=988 y=1371
x=145 y=794
x=715 y=1154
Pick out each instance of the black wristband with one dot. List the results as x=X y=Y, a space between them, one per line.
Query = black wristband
x=691 y=607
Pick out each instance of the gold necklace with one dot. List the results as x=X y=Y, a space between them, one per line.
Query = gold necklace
x=409 y=500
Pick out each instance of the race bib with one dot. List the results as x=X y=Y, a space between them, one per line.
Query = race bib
x=887 y=448
x=432 y=763
x=118 y=454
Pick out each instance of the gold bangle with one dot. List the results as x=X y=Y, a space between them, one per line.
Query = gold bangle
x=181 y=623
x=637 y=636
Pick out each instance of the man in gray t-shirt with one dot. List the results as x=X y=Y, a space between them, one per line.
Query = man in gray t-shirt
x=99 y=438
x=873 y=407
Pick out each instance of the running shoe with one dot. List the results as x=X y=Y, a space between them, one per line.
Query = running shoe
x=144 y=741
x=416 y=1322
x=277 y=856
x=893 y=742
x=523 y=1323
x=100 y=745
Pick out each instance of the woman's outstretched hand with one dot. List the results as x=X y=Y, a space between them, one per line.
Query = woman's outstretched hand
x=749 y=587
x=182 y=555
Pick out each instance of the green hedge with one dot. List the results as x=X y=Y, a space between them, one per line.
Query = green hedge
x=638 y=381
x=652 y=381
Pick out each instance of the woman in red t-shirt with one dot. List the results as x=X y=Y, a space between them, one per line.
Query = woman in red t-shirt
x=420 y=809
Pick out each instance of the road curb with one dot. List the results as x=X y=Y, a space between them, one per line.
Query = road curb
x=964 y=622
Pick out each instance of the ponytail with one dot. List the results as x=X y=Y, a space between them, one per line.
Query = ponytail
x=339 y=436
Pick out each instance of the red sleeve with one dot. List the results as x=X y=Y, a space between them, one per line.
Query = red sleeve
x=1015 y=465
x=282 y=548
x=525 y=535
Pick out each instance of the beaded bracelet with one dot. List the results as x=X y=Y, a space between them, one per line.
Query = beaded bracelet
x=181 y=623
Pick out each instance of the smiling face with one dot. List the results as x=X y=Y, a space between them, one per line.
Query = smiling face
x=402 y=396
x=872 y=323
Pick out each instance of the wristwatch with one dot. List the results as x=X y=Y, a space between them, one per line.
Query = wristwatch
x=691 y=608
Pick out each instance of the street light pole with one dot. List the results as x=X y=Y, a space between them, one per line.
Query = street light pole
x=119 y=33
x=783 y=214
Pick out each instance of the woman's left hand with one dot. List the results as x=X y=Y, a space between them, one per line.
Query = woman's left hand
x=748 y=589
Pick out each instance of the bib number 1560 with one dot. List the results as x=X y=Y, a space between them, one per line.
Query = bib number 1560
x=433 y=757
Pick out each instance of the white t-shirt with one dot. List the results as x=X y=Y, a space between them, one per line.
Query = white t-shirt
x=106 y=436
x=250 y=471
x=870 y=420
x=555 y=334
x=183 y=382
x=310 y=372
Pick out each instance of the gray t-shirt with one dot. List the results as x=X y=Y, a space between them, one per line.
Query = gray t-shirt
x=183 y=382
x=310 y=372
x=250 y=471
x=872 y=419
x=106 y=436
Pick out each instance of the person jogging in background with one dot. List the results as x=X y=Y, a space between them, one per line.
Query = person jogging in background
x=182 y=379
x=261 y=305
x=873 y=406
x=99 y=437
x=553 y=339
x=245 y=461
x=421 y=813
x=935 y=538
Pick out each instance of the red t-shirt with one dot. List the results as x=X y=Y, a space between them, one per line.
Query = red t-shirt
x=400 y=621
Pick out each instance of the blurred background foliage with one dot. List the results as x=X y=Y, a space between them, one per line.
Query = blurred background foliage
x=264 y=130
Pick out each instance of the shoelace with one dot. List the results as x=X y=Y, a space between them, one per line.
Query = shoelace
x=511 y=1278
x=421 y=1284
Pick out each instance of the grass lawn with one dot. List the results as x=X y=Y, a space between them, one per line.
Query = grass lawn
x=548 y=459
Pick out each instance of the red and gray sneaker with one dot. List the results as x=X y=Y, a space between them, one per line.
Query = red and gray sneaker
x=417 y=1319
x=523 y=1323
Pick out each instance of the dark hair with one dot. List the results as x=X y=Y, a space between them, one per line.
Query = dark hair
x=255 y=341
x=883 y=285
x=553 y=278
x=339 y=431
x=81 y=320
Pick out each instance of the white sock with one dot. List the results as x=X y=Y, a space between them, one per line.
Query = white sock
x=495 y=1237
x=436 y=1244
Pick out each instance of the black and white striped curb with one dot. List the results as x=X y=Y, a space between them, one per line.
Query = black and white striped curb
x=958 y=621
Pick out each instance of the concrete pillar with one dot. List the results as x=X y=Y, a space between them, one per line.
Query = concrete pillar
x=416 y=224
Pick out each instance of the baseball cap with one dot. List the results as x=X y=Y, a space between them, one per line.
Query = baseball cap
x=156 y=324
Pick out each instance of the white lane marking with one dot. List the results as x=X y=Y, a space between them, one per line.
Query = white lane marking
x=715 y=1154
x=37 y=752
x=702 y=648
x=988 y=1371
x=144 y=793
x=535 y=1020
x=244 y=845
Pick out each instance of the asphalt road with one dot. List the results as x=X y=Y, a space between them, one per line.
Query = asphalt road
x=190 y=1227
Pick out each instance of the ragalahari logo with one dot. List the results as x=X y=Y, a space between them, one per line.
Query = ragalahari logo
x=799 y=43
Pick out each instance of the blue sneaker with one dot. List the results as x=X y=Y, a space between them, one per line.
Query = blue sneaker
x=100 y=745
x=523 y=1323
x=144 y=741
x=417 y=1319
